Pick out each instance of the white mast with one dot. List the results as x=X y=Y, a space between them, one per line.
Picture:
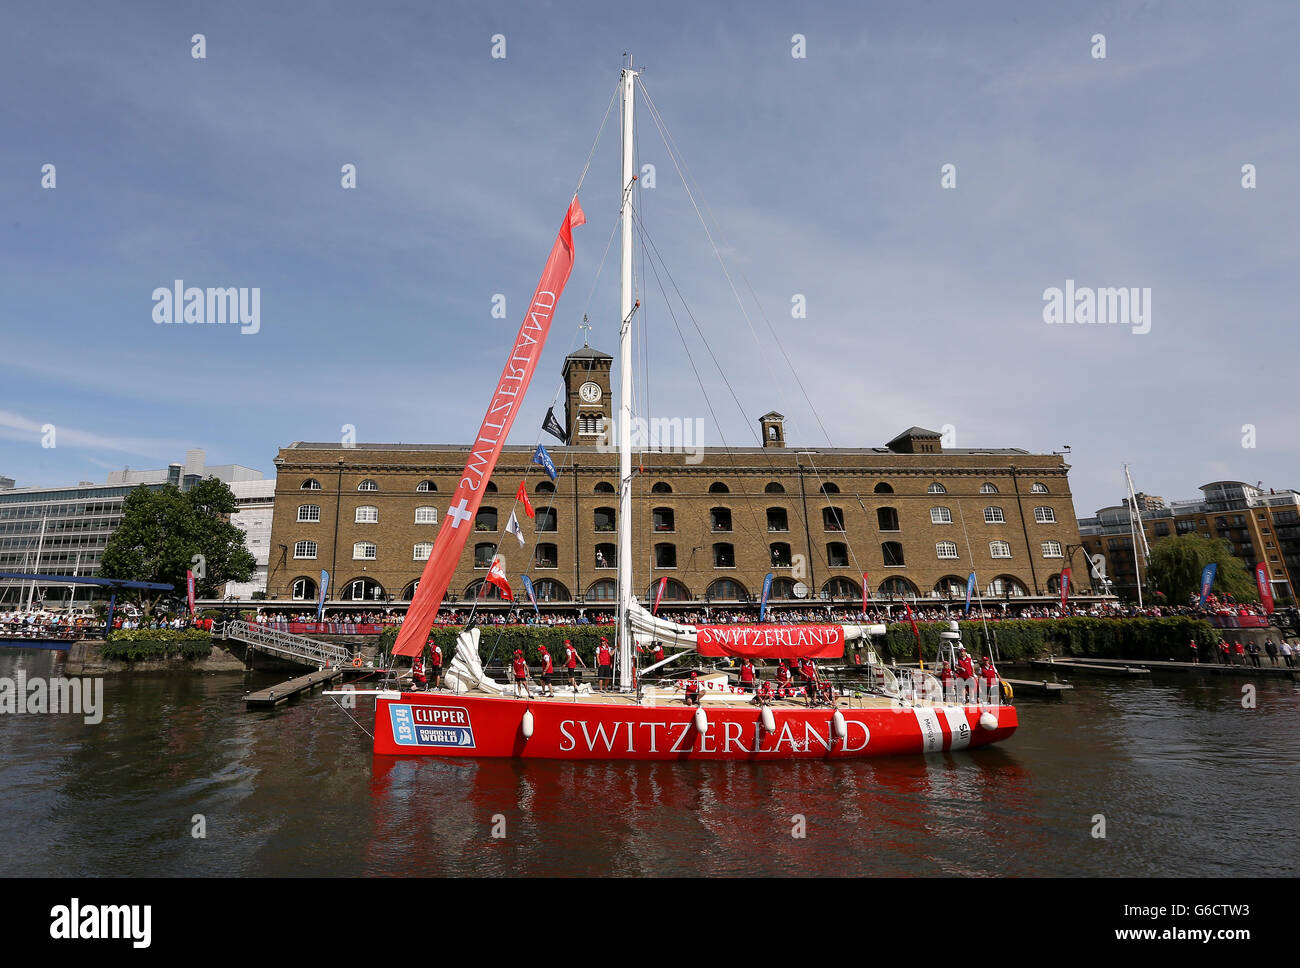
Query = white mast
x=625 y=396
x=36 y=569
x=1137 y=532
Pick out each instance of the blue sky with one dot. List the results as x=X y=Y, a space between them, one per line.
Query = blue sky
x=924 y=304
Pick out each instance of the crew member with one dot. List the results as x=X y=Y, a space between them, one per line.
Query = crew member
x=1196 y=655
x=659 y=652
x=945 y=680
x=571 y=660
x=521 y=676
x=990 y=678
x=605 y=660
x=764 y=695
x=547 y=669
x=808 y=669
x=747 y=675
x=693 y=690
x=782 y=678
x=417 y=673
x=435 y=663
x=965 y=674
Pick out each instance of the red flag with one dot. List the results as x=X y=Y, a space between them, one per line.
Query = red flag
x=663 y=583
x=497 y=576
x=1065 y=586
x=486 y=448
x=919 y=654
x=1265 y=587
x=522 y=495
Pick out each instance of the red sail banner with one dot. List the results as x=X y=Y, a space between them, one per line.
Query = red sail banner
x=1265 y=587
x=771 y=641
x=663 y=583
x=486 y=449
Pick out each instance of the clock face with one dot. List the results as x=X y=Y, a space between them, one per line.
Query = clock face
x=589 y=392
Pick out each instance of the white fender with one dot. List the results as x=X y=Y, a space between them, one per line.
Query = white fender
x=988 y=721
x=840 y=726
x=769 y=721
x=527 y=724
x=701 y=720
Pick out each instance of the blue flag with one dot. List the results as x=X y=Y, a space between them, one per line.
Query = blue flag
x=324 y=587
x=767 y=588
x=1207 y=579
x=970 y=587
x=528 y=587
x=540 y=456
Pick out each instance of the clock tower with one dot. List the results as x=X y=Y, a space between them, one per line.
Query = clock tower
x=587 y=394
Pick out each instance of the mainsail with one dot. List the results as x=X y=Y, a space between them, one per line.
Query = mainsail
x=483 y=455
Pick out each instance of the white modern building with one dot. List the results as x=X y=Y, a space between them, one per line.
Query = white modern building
x=255 y=500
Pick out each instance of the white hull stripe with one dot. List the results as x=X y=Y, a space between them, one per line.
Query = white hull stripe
x=931 y=731
x=958 y=727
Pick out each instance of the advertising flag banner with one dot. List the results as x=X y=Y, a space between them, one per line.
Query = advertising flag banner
x=771 y=641
x=1207 y=580
x=970 y=588
x=512 y=527
x=532 y=597
x=552 y=426
x=189 y=589
x=324 y=587
x=767 y=590
x=865 y=593
x=497 y=576
x=1065 y=586
x=521 y=495
x=1265 y=588
x=540 y=456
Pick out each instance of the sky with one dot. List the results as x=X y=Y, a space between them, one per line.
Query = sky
x=821 y=176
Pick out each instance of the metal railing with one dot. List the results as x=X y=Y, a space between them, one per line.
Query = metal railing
x=284 y=644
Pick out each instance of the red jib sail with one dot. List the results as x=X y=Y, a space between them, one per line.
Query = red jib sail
x=771 y=641
x=506 y=398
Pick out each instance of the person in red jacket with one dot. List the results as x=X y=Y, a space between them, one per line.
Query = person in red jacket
x=747 y=674
x=1241 y=653
x=659 y=652
x=965 y=675
x=547 y=669
x=435 y=663
x=571 y=660
x=945 y=680
x=764 y=695
x=605 y=662
x=990 y=677
x=1196 y=655
x=782 y=678
x=521 y=676
x=693 y=690
x=417 y=673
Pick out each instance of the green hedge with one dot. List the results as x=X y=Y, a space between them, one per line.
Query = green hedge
x=585 y=638
x=131 y=645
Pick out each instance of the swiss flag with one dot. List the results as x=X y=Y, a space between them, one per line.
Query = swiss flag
x=522 y=495
x=497 y=576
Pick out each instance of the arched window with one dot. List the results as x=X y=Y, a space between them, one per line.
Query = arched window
x=665 y=555
x=717 y=487
x=779 y=554
x=663 y=519
x=422 y=551
x=308 y=513
x=544 y=487
x=832 y=519
x=887 y=519
x=727 y=590
x=368 y=485
x=897 y=587
x=603 y=519
x=484 y=552
x=892 y=552
x=659 y=488
x=546 y=556
x=1006 y=586
x=837 y=554
x=778 y=519
x=606 y=556
x=409 y=591
x=491 y=488
x=1044 y=515
x=945 y=549
x=304 y=549
x=987 y=488
x=940 y=515
x=311 y=484
x=363 y=590
x=364 y=551
x=882 y=488
x=304 y=589
x=994 y=515
x=950 y=586
x=1038 y=488
x=724 y=555
x=999 y=549
x=605 y=487
x=550 y=590
x=674 y=591
x=774 y=488
x=1054 y=584
x=936 y=488
x=782 y=589
x=602 y=591
x=426 y=515
x=546 y=520
x=481 y=588
x=485 y=519
x=829 y=488
x=425 y=486
x=842 y=588
x=367 y=515
x=720 y=519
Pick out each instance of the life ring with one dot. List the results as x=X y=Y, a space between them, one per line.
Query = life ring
x=1007 y=693
x=356 y=661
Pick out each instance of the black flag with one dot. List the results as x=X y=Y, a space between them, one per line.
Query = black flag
x=552 y=426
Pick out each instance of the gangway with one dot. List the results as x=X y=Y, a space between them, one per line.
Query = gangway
x=286 y=645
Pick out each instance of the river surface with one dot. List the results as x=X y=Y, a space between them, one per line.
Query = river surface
x=1189 y=783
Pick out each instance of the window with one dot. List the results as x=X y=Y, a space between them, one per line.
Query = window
x=717 y=487
x=1044 y=515
x=936 y=488
x=674 y=591
x=779 y=553
x=1004 y=586
x=882 y=488
x=602 y=591
x=940 y=516
x=605 y=487
x=546 y=487
x=724 y=556
x=950 y=587
x=665 y=556
x=304 y=549
x=892 y=552
x=311 y=484
x=367 y=485
x=549 y=590
x=304 y=588
x=589 y=424
x=774 y=488
x=987 y=488
x=837 y=554
x=663 y=519
x=777 y=519
x=1162 y=529
x=425 y=486
x=724 y=589
x=491 y=488
x=484 y=552
x=606 y=556
x=422 y=551
x=486 y=519
x=946 y=549
x=887 y=519
x=832 y=519
x=842 y=588
x=364 y=551
x=994 y=516
x=1038 y=488
x=1052 y=549
x=546 y=556
x=720 y=519
x=367 y=515
x=308 y=512
x=897 y=587
x=782 y=588
x=426 y=515
x=603 y=519
x=999 y=549
x=829 y=488
x=659 y=488
x=546 y=520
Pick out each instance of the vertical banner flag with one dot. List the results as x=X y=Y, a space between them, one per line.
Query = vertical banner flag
x=502 y=409
x=1265 y=587
x=919 y=654
x=522 y=496
x=552 y=426
x=1207 y=580
x=767 y=590
x=970 y=588
x=512 y=527
x=1065 y=585
x=864 y=593
x=189 y=589
x=663 y=583
x=324 y=587
x=532 y=597
x=540 y=456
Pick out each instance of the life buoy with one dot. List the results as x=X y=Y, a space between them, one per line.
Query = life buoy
x=1007 y=693
x=356 y=661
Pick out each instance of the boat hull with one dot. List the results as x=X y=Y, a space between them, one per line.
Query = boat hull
x=439 y=724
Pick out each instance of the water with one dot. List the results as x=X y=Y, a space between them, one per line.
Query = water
x=1188 y=781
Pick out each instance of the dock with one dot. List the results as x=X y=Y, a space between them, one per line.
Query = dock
x=1031 y=687
x=1213 y=668
x=294 y=687
x=1118 y=669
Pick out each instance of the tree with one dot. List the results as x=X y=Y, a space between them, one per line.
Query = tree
x=1177 y=563
x=164 y=529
